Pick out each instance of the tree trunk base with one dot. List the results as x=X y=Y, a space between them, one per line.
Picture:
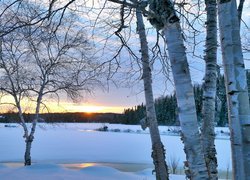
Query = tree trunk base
x=211 y=162
x=27 y=157
x=161 y=168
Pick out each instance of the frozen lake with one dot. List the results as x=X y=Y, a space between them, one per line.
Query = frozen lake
x=124 y=147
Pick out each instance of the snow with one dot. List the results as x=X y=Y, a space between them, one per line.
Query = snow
x=53 y=172
x=125 y=154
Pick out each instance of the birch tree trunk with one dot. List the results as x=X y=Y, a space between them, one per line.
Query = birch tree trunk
x=27 y=156
x=158 y=152
x=29 y=139
x=236 y=87
x=242 y=88
x=209 y=90
x=165 y=19
x=185 y=101
x=225 y=27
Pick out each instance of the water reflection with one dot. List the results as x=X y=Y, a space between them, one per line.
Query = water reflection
x=79 y=165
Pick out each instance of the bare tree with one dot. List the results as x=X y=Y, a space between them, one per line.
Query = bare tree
x=236 y=88
x=158 y=153
x=38 y=62
x=174 y=163
x=209 y=90
x=46 y=12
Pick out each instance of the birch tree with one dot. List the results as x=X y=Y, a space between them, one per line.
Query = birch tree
x=165 y=19
x=38 y=63
x=209 y=90
x=236 y=88
x=158 y=153
x=123 y=33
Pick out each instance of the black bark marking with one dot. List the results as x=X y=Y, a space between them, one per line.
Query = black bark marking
x=232 y=92
x=173 y=19
x=224 y=1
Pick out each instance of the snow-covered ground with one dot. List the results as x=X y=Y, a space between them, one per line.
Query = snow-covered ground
x=78 y=151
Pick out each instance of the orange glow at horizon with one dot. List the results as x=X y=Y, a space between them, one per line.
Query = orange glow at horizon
x=54 y=107
x=84 y=165
x=89 y=108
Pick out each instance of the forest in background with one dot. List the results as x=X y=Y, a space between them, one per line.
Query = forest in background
x=167 y=112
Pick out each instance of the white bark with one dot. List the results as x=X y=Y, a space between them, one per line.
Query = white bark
x=165 y=19
x=209 y=90
x=185 y=101
x=236 y=87
x=242 y=88
x=29 y=139
x=230 y=83
x=158 y=152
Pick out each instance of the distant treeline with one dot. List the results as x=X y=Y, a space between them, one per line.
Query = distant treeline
x=167 y=112
x=65 y=117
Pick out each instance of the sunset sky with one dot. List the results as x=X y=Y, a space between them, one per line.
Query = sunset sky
x=116 y=99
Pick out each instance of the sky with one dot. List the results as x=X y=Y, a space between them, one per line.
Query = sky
x=132 y=96
x=116 y=97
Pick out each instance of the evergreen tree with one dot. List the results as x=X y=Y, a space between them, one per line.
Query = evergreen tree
x=166 y=106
